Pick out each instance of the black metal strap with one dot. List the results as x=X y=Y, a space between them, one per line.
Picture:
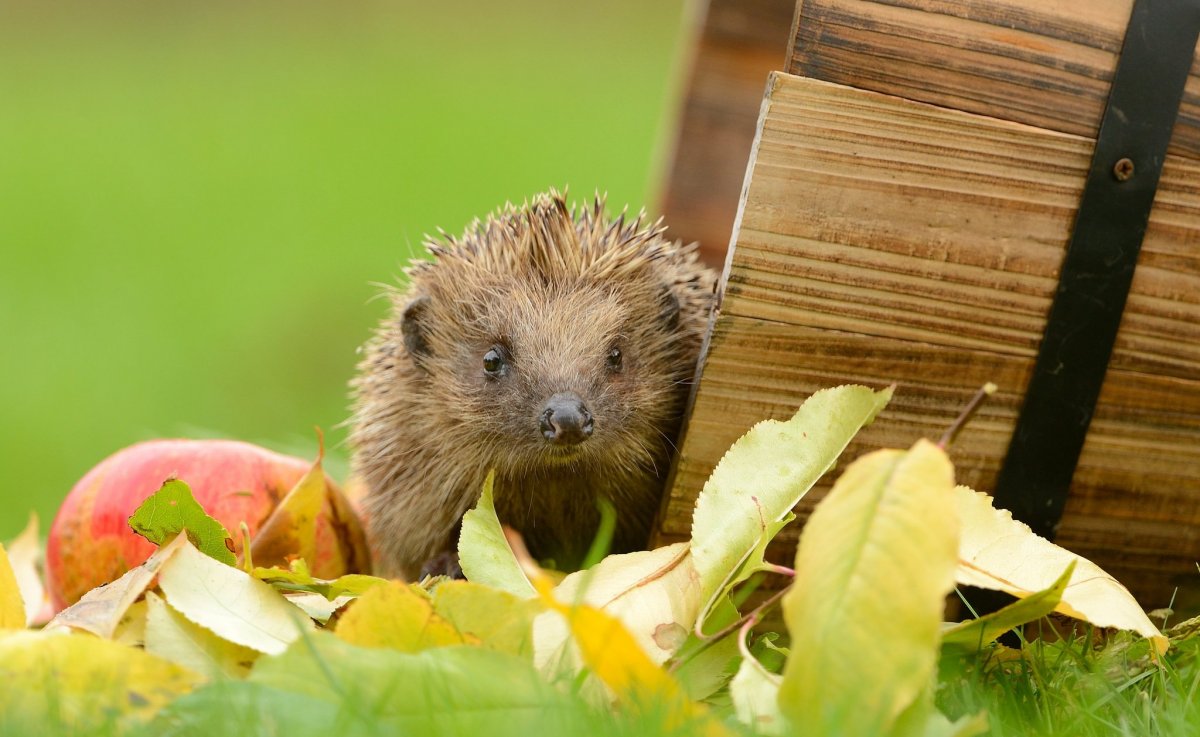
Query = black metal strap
x=1098 y=267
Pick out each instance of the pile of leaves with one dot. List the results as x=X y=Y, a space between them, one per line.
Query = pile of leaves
x=658 y=642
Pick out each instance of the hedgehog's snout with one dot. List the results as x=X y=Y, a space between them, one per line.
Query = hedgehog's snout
x=565 y=420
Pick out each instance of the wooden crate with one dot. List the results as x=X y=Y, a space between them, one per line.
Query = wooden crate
x=906 y=210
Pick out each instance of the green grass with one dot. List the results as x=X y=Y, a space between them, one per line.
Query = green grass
x=195 y=198
x=1079 y=686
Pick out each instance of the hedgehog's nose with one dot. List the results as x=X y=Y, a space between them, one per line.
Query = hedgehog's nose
x=565 y=420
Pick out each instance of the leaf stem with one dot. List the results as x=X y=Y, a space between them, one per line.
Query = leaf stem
x=972 y=407
x=755 y=613
x=781 y=570
x=747 y=622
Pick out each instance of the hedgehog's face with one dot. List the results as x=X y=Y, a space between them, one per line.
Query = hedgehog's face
x=542 y=376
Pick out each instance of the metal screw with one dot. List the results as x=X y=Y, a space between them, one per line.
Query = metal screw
x=1123 y=169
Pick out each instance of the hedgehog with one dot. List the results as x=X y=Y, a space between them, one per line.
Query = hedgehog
x=553 y=346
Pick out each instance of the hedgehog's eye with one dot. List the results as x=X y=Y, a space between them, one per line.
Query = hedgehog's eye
x=613 y=360
x=494 y=363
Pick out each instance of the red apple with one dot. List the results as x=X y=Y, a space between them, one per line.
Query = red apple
x=91 y=543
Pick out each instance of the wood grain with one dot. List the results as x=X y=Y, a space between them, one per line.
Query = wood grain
x=1047 y=64
x=881 y=240
x=737 y=46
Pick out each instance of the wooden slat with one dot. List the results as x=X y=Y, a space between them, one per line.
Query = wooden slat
x=1048 y=64
x=882 y=241
x=740 y=42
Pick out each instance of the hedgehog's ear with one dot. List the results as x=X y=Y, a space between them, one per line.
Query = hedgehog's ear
x=669 y=308
x=414 y=324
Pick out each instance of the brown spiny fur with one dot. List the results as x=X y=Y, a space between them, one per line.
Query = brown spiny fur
x=558 y=289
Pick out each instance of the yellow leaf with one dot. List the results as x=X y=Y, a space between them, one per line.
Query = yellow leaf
x=12 y=608
x=615 y=657
x=102 y=609
x=131 y=630
x=79 y=680
x=394 y=615
x=291 y=530
x=1000 y=553
x=654 y=593
x=25 y=555
x=169 y=635
x=874 y=565
x=501 y=621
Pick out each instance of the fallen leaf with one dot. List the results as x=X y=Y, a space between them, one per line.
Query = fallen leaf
x=25 y=556
x=1000 y=553
x=394 y=615
x=298 y=578
x=611 y=653
x=316 y=606
x=969 y=725
x=975 y=633
x=755 y=694
x=131 y=630
x=291 y=530
x=500 y=620
x=703 y=667
x=864 y=613
x=101 y=610
x=172 y=509
x=751 y=493
x=170 y=636
x=655 y=594
x=483 y=552
x=12 y=608
x=229 y=602
x=60 y=683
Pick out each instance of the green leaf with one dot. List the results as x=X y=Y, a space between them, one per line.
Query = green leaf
x=864 y=613
x=231 y=707
x=705 y=668
x=768 y=653
x=483 y=552
x=172 y=509
x=750 y=494
x=975 y=633
x=446 y=691
x=299 y=579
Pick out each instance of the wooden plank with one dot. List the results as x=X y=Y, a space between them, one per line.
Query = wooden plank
x=881 y=240
x=738 y=45
x=1047 y=64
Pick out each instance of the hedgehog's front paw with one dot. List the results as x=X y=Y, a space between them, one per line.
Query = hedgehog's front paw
x=442 y=564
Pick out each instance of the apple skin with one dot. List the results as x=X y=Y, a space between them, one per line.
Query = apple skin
x=90 y=542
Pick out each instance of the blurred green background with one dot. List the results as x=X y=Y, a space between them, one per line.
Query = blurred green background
x=196 y=197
